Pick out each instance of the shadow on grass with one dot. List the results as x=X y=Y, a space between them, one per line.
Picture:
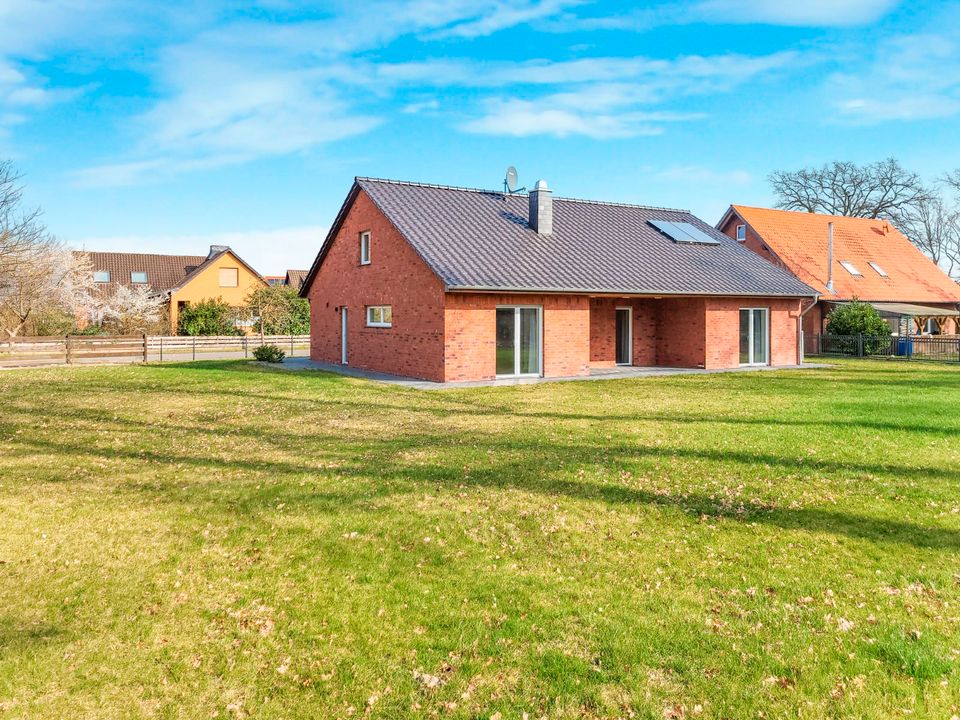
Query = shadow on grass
x=373 y=463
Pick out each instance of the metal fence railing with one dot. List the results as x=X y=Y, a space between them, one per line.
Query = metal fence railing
x=938 y=348
x=89 y=349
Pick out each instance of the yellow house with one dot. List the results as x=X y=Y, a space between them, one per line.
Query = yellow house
x=182 y=279
x=223 y=275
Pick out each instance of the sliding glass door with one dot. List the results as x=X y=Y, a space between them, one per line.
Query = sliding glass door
x=518 y=341
x=754 y=336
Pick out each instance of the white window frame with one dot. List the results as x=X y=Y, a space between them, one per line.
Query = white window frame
x=139 y=272
x=382 y=323
x=365 y=247
x=101 y=272
x=752 y=351
x=851 y=268
x=879 y=270
x=629 y=335
x=743 y=237
x=516 y=340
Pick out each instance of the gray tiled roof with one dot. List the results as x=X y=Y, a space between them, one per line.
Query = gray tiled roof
x=475 y=239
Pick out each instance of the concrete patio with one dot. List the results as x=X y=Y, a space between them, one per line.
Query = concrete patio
x=616 y=373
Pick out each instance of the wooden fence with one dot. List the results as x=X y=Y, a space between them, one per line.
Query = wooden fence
x=91 y=349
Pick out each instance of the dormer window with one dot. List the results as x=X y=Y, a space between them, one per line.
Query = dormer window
x=880 y=271
x=851 y=268
x=365 y=248
x=741 y=233
x=101 y=276
x=138 y=278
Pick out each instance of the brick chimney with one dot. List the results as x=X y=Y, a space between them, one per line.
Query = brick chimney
x=541 y=208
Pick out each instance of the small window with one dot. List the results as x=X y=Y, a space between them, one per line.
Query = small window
x=365 y=248
x=880 y=271
x=380 y=316
x=101 y=276
x=851 y=268
x=228 y=277
x=741 y=232
x=138 y=277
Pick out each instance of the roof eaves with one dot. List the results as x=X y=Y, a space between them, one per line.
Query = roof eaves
x=193 y=274
x=623 y=291
x=331 y=234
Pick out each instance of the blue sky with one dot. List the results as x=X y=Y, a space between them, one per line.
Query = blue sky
x=167 y=128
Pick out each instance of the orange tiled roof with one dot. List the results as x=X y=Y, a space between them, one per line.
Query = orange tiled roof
x=799 y=239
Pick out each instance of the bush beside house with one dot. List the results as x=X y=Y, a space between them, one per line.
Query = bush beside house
x=208 y=317
x=857 y=318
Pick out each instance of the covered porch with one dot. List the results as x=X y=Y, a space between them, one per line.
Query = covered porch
x=692 y=332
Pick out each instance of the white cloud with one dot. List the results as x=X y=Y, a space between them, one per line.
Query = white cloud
x=915 y=77
x=506 y=14
x=591 y=106
x=549 y=116
x=813 y=13
x=270 y=252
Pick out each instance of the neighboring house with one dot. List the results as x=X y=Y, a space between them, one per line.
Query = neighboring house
x=449 y=284
x=295 y=278
x=872 y=261
x=275 y=280
x=181 y=279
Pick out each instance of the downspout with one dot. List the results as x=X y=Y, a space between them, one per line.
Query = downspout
x=803 y=312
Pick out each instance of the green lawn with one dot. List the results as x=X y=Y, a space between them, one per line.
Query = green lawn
x=226 y=540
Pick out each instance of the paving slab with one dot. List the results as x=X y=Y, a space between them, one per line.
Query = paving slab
x=619 y=373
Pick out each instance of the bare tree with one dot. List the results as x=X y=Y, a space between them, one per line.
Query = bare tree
x=880 y=190
x=21 y=232
x=46 y=277
x=934 y=226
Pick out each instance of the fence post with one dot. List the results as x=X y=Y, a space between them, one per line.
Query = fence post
x=144 y=347
x=66 y=349
x=860 y=345
x=245 y=345
x=291 y=345
x=194 y=347
x=161 y=348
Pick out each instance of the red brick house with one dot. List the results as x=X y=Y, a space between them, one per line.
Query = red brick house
x=451 y=284
x=844 y=258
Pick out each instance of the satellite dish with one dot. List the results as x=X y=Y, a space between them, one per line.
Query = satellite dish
x=510 y=181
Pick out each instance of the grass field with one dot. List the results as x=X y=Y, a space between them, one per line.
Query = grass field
x=226 y=540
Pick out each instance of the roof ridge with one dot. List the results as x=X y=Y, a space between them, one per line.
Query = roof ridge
x=812 y=214
x=122 y=252
x=461 y=188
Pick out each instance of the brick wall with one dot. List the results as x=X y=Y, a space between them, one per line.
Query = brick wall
x=603 y=329
x=681 y=331
x=396 y=276
x=752 y=241
x=722 y=318
x=470 y=334
x=813 y=320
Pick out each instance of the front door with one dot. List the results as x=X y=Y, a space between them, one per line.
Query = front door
x=624 y=336
x=343 y=335
x=518 y=341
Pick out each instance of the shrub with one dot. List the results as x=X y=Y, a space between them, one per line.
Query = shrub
x=857 y=318
x=269 y=353
x=279 y=310
x=208 y=317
